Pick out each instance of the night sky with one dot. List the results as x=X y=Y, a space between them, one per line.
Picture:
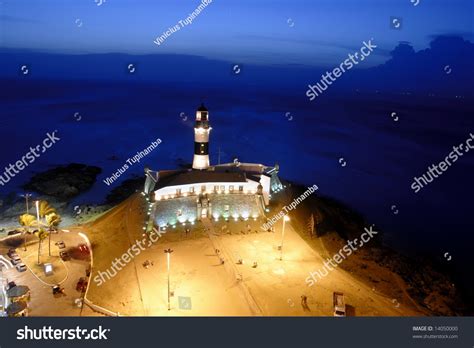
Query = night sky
x=317 y=32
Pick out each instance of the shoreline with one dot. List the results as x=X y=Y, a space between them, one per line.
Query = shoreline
x=414 y=280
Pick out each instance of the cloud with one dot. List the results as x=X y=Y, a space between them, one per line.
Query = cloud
x=313 y=43
x=467 y=35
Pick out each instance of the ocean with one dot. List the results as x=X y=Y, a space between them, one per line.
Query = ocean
x=362 y=146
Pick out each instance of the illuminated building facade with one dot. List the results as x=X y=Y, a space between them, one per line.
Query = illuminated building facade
x=229 y=191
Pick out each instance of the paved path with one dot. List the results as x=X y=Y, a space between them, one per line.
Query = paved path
x=133 y=207
x=230 y=267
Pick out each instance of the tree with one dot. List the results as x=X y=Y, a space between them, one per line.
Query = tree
x=52 y=220
x=45 y=209
x=42 y=234
x=26 y=220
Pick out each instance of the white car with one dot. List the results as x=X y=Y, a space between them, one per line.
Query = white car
x=21 y=267
x=16 y=260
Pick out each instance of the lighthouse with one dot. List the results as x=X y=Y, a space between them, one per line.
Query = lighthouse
x=201 y=139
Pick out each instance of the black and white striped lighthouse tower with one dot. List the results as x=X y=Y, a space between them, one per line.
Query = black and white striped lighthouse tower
x=201 y=139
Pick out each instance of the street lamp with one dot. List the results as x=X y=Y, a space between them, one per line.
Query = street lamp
x=285 y=219
x=37 y=212
x=168 y=254
x=26 y=196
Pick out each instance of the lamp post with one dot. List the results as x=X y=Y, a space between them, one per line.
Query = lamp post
x=26 y=196
x=38 y=224
x=285 y=219
x=37 y=212
x=168 y=254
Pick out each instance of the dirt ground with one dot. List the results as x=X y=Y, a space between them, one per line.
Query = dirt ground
x=202 y=285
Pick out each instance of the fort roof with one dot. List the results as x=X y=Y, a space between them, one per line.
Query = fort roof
x=176 y=178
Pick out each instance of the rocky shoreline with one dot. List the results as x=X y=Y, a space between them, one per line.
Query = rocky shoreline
x=64 y=182
x=58 y=186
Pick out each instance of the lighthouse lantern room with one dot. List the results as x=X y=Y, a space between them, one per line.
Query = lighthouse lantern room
x=201 y=139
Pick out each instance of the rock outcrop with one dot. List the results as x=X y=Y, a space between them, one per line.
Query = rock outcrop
x=64 y=182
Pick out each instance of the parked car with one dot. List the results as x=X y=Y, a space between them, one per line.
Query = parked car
x=64 y=255
x=81 y=284
x=21 y=267
x=60 y=244
x=16 y=260
x=10 y=285
x=11 y=253
x=11 y=233
x=14 y=256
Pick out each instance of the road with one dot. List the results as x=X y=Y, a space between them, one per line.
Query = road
x=43 y=303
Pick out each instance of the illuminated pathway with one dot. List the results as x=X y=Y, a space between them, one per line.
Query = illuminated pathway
x=230 y=267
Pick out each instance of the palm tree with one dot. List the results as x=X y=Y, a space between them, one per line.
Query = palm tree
x=52 y=220
x=45 y=209
x=26 y=220
x=42 y=234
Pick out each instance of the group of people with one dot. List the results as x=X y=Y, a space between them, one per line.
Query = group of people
x=147 y=264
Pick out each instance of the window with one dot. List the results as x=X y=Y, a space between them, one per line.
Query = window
x=216 y=188
x=226 y=207
x=191 y=189
x=231 y=188
x=222 y=188
x=203 y=188
x=179 y=212
x=178 y=192
x=241 y=188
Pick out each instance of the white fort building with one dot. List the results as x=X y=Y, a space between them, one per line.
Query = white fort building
x=224 y=191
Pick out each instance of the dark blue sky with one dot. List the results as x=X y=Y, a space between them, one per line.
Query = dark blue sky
x=250 y=31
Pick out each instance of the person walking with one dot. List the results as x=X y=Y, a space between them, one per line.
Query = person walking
x=304 y=302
